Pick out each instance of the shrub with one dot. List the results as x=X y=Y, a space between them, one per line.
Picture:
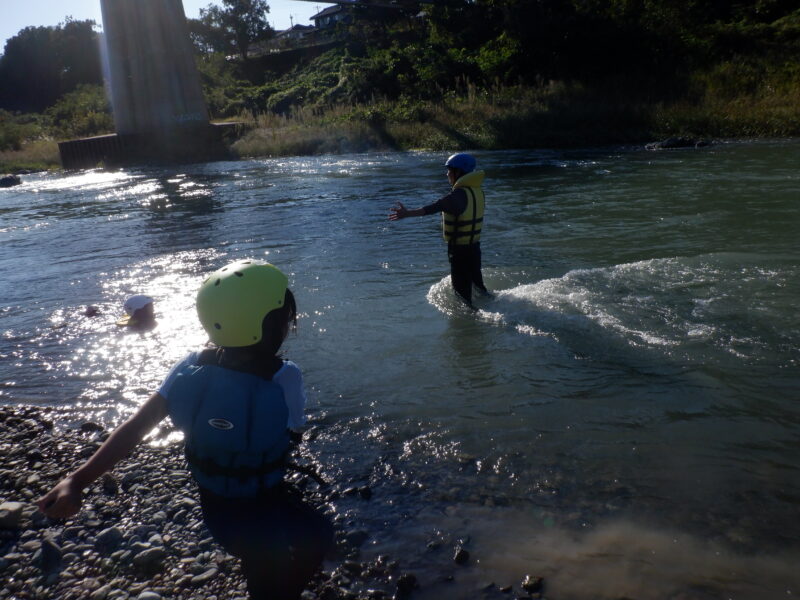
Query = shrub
x=84 y=112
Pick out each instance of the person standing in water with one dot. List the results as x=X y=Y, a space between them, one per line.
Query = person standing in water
x=462 y=221
x=238 y=404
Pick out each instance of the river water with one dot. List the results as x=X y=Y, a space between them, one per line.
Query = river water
x=623 y=418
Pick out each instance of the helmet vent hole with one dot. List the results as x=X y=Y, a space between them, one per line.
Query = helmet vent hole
x=217 y=326
x=217 y=282
x=238 y=274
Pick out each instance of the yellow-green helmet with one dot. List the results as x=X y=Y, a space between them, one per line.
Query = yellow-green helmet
x=234 y=300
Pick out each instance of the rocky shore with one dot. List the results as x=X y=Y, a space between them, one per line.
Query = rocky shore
x=140 y=535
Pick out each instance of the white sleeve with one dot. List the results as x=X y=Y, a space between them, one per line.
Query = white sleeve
x=291 y=380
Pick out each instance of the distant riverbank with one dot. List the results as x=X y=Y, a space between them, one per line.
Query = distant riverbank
x=551 y=116
x=554 y=116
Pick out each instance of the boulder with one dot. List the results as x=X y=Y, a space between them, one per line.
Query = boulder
x=9 y=180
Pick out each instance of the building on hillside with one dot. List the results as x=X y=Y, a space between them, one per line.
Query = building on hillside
x=295 y=34
x=294 y=37
x=331 y=16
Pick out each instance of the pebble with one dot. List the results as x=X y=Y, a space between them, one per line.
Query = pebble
x=532 y=584
x=205 y=576
x=406 y=583
x=10 y=515
x=460 y=556
x=108 y=540
x=50 y=555
x=110 y=484
x=357 y=537
x=101 y=593
x=353 y=566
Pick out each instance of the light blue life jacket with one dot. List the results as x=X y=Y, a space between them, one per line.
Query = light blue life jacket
x=235 y=428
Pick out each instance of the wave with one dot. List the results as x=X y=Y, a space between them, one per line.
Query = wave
x=700 y=308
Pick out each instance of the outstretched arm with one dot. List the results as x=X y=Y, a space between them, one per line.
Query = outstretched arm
x=399 y=211
x=64 y=500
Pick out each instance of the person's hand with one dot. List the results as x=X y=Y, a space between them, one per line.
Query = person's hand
x=398 y=212
x=63 y=501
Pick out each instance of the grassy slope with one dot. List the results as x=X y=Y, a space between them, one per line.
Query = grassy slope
x=552 y=116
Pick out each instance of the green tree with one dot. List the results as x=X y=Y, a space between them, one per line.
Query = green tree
x=82 y=112
x=207 y=37
x=40 y=64
x=242 y=22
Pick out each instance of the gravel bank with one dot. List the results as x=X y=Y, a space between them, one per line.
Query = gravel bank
x=140 y=534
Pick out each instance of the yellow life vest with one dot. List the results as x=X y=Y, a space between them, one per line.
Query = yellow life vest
x=466 y=228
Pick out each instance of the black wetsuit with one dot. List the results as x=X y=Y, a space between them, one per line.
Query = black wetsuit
x=280 y=539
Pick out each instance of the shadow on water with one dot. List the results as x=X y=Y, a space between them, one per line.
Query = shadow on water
x=182 y=202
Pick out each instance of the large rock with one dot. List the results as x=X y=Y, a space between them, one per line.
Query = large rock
x=9 y=181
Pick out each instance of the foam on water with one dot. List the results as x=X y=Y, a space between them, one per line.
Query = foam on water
x=694 y=308
x=85 y=181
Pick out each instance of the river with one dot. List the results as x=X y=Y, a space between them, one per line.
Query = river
x=622 y=418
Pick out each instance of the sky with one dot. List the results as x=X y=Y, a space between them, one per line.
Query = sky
x=18 y=14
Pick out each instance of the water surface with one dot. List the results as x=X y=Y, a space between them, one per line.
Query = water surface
x=622 y=418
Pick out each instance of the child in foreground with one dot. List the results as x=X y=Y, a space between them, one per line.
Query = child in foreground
x=237 y=404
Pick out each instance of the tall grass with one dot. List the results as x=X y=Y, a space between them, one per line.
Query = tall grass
x=550 y=115
x=38 y=155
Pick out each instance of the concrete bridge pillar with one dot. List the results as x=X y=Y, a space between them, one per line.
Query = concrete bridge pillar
x=155 y=86
x=160 y=114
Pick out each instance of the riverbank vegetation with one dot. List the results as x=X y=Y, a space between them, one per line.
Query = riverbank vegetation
x=484 y=74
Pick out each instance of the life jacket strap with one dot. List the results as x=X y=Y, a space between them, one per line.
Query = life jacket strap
x=212 y=468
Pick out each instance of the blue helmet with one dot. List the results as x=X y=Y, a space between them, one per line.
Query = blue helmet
x=462 y=160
